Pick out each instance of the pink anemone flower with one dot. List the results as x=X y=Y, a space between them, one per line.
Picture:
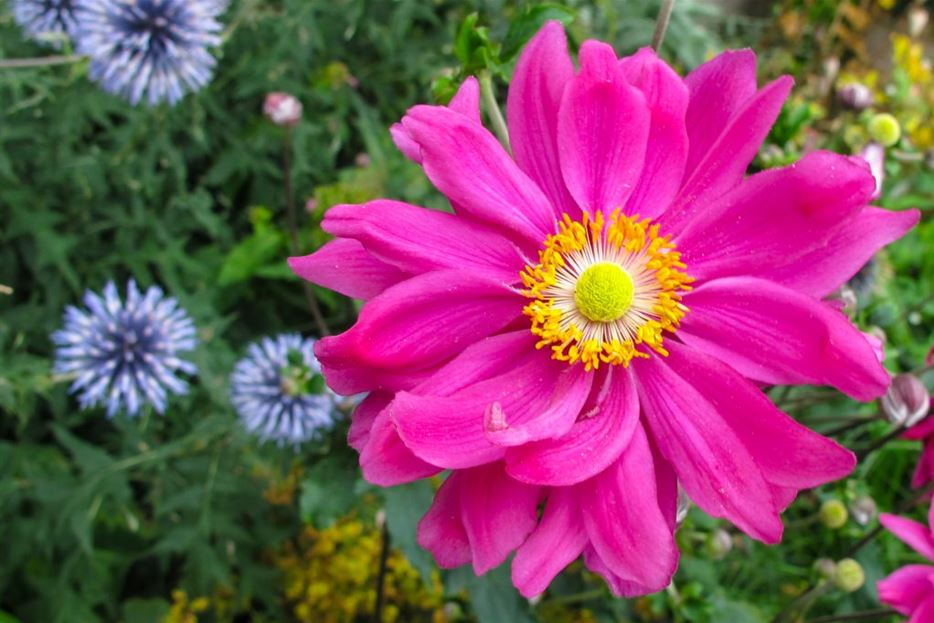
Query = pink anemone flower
x=590 y=326
x=910 y=590
x=924 y=431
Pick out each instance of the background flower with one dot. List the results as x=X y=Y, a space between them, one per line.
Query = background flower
x=45 y=20
x=125 y=355
x=278 y=390
x=149 y=50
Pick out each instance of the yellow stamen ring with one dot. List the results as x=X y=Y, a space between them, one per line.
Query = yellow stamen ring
x=603 y=289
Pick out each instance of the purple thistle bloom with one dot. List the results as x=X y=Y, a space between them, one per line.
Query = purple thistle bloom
x=152 y=50
x=278 y=391
x=124 y=355
x=45 y=20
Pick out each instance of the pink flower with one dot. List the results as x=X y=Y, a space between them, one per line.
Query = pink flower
x=910 y=590
x=924 y=431
x=874 y=154
x=282 y=109
x=586 y=331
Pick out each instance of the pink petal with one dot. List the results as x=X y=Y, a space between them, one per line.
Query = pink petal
x=826 y=267
x=623 y=520
x=603 y=127
x=466 y=102
x=906 y=589
x=538 y=83
x=924 y=472
x=774 y=335
x=422 y=321
x=418 y=240
x=924 y=613
x=593 y=444
x=441 y=531
x=725 y=164
x=557 y=541
x=719 y=89
x=787 y=453
x=363 y=417
x=666 y=484
x=775 y=217
x=712 y=463
x=915 y=535
x=346 y=267
x=386 y=461
x=466 y=163
x=618 y=585
x=451 y=431
x=498 y=513
x=666 y=96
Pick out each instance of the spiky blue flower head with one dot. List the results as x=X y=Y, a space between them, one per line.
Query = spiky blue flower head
x=149 y=50
x=46 y=20
x=125 y=355
x=278 y=390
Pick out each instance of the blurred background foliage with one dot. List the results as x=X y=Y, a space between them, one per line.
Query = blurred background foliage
x=185 y=517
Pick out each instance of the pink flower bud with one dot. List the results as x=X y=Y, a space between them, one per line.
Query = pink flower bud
x=855 y=96
x=907 y=401
x=282 y=109
x=874 y=154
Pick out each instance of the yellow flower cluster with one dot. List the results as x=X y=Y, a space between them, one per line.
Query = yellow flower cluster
x=185 y=610
x=331 y=575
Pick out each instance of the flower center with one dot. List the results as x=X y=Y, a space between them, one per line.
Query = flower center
x=604 y=292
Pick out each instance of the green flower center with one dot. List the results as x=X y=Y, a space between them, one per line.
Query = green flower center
x=604 y=292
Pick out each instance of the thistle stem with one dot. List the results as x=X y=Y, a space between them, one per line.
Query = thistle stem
x=661 y=25
x=492 y=109
x=43 y=61
x=293 y=231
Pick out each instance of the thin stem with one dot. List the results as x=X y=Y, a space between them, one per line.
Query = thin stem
x=43 y=61
x=381 y=577
x=293 y=231
x=894 y=434
x=573 y=598
x=844 y=428
x=901 y=508
x=802 y=603
x=661 y=25
x=492 y=109
x=868 y=615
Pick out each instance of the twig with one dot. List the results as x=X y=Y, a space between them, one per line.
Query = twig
x=43 y=61
x=492 y=109
x=661 y=25
x=381 y=577
x=293 y=231
x=894 y=434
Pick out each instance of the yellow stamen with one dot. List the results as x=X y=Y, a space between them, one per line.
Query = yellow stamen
x=631 y=312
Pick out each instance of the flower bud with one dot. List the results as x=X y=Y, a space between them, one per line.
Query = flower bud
x=917 y=20
x=833 y=514
x=855 y=96
x=906 y=402
x=718 y=544
x=874 y=154
x=683 y=505
x=826 y=568
x=884 y=128
x=282 y=109
x=863 y=510
x=849 y=576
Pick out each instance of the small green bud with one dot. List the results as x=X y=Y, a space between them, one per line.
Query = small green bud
x=833 y=514
x=884 y=128
x=718 y=544
x=826 y=568
x=849 y=576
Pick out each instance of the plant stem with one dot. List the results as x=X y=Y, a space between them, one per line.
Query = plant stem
x=801 y=604
x=894 y=434
x=868 y=615
x=901 y=508
x=42 y=61
x=293 y=231
x=381 y=576
x=661 y=25
x=492 y=109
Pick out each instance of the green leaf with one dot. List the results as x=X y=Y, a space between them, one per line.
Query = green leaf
x=405 y=506
x=143 y=610
x=492 y=596
x=328 y=491
x=530 y=22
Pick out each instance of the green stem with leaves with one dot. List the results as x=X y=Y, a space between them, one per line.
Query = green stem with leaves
x=495 y=115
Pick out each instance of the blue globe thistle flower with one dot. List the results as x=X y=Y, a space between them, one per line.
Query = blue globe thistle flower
x=45 y=20
x=124 y=355
x=155 y=50
x=278 y=390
